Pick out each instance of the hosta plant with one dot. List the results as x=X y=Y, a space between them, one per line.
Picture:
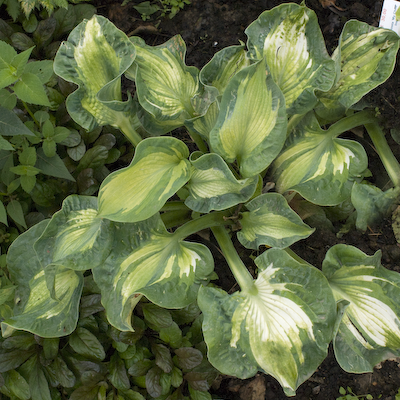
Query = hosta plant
x=271 y=112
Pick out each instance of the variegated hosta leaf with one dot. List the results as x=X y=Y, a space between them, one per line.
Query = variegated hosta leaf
x=155 y=264
x=165 y=86
x=158 y=169
x=364 y=59
x=251 y=126
x=290 y=39
x=35 y=310
x=76 y=237
x=370 y=329
x=94 y=57
x=271 y=222
x=318 y=165
x=281 y=327
x=213 y=186
x=223 y=66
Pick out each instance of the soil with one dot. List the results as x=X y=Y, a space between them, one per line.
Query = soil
x=210 y=25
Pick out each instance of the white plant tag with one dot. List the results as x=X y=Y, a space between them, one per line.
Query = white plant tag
x=389 y=19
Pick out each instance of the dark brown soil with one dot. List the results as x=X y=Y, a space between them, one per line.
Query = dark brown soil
x=210 y=25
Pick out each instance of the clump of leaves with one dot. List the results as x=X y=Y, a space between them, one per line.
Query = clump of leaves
x=136 y=238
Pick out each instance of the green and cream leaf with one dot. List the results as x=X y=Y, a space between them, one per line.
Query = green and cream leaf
x=252 y=135
x=165 y=85
x=35 y=309
x=213 y=186
x=271 y=222
x=290 y=40
x=370 y=328
x=94 y=57
x=318 y=165
x=167 y=270
x=281 y=327
x=158 y=169
x=364 y=58
x=76 y=237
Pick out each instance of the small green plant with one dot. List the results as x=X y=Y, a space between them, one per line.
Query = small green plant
x=159 y=7
x=348 y=394
x=255 y=116
x=165 y=356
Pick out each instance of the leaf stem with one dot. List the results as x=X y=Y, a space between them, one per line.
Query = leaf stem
x=239 y=270
x=350 y=122
x=31 y=113
x=199 y=141
x=127 y=129
x=218 y=218
x=388 y=159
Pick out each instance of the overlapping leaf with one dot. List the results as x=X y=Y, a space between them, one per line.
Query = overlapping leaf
x=370 y=328
x=213 y=186
x=166 y=87
x=251 y=125
x=94 y=57
x=282 y=326
x=318 y=165
x=203 y=124
x=291 y=41
x=158 y=169
x=364 y=59
x=223 y=66
x=270 y=221
x=35 y=309
x=76 y=237
x=153 y=263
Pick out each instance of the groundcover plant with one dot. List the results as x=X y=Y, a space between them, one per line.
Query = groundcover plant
x=255 y=116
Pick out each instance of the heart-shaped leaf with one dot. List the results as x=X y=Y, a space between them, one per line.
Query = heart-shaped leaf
x=165 y=85
x=282 y=326
x=158 y=169
x=290 y=39
x=167 y=270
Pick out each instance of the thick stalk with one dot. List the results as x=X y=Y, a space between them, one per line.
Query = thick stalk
x=218 y=218
x=127 y=129
x=175 y=206
x=239 y=270
x=174 y=218
x=388 y=159
x=199 y=141
x=350 y=122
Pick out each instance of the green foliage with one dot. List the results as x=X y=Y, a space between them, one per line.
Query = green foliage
x=348 y=394
x=165 y=356
x=256 y=116
x=160 y=8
